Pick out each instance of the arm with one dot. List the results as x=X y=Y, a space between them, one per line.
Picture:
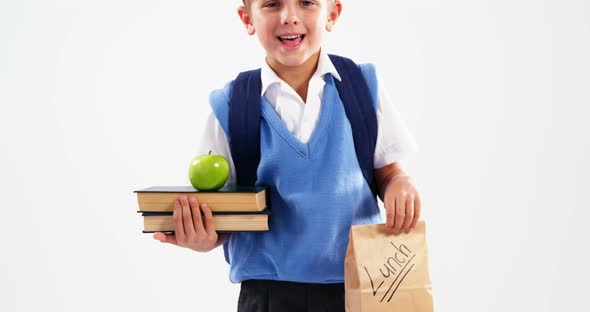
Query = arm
x=399 y=196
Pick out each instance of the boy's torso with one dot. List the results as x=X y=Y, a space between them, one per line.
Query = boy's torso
x=317 y=192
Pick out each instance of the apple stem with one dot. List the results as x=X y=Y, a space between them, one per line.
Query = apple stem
x=209 y=152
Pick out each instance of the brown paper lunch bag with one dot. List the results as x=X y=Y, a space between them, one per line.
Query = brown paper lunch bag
x=387 y=272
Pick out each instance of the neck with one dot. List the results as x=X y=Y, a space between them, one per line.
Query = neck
x=296 y=76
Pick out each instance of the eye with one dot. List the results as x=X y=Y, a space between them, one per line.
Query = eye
x=306 y=3
x=271 y=4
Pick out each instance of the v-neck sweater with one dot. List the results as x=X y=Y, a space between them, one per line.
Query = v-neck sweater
x=317 y=193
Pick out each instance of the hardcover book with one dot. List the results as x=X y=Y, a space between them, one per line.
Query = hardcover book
x=223 y=221
x=231 y=199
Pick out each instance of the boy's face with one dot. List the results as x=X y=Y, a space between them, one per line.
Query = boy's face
x=290 y=31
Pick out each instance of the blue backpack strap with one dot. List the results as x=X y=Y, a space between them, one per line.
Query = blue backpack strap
x=244 y=130
x=244 y=125
x=360 y=111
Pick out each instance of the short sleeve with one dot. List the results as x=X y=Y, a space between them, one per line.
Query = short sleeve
x=214 y=139
x=394 y=140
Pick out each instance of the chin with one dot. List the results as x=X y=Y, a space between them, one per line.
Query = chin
x=294 y=60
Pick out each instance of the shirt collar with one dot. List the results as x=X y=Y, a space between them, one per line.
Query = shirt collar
x=268 y=77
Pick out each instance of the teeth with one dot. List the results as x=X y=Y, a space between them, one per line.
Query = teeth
x=290 y=37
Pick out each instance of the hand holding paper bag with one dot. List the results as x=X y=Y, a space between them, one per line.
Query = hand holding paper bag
x=387 y=272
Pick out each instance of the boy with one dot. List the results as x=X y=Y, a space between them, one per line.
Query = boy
x=309 y=162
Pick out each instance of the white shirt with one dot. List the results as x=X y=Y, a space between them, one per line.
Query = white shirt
x=394 y=141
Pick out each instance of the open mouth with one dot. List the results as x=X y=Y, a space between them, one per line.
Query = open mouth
x=291 y=39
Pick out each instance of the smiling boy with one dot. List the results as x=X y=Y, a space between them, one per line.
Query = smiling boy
x=309 y=161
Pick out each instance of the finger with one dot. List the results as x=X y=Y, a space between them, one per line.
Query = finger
x=400 y=213
x=409 y=214
x=187 y=219
x=390 y=215
x=165 y=238
x=197 y=219
x=178 y=223
x=417 y=210
x=208 y=215
x=160 y=236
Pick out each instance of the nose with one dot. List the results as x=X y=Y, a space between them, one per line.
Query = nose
x=289 y=15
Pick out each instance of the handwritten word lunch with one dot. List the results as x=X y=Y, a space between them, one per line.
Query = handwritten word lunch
x=397 y=266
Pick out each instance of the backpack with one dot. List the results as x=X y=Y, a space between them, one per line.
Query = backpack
x=244 y=120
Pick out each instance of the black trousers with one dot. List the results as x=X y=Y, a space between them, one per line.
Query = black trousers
x=278 y=296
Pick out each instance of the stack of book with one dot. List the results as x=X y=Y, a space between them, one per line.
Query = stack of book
x=237 y=208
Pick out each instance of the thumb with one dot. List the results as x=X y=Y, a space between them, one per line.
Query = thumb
x=165 y=238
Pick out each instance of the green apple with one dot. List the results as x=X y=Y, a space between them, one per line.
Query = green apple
x=208 y=172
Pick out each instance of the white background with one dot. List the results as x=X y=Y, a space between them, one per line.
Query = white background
x=100 y=98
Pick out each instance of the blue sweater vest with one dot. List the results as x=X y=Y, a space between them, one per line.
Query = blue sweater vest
x=317 y=192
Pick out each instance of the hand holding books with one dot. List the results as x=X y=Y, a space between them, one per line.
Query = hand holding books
x=237 y=208
x=192 y=229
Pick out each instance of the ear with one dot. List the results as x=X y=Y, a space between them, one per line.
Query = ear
x=333 y=14
x=246 y=20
